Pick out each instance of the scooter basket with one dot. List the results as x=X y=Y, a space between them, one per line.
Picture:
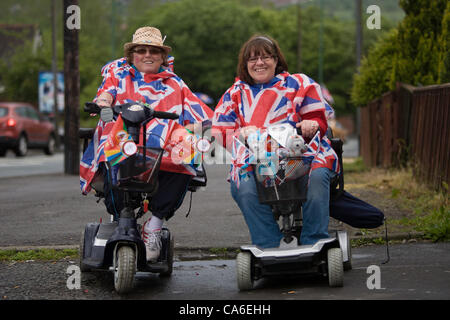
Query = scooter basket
x=286 y=185
x=139 y=173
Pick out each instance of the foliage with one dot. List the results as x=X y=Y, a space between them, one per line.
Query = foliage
x=435 y=225
x=376 y=71
x=20 y=76
x=444 y=41
x=417 y=53
x=206 y=36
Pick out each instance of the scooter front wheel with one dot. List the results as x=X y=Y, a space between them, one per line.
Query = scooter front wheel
x=335 y=267
x=244 y=271
x=125 y=269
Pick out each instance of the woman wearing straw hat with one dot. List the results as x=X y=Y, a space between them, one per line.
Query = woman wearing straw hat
x=146 y=74
x=265 y=94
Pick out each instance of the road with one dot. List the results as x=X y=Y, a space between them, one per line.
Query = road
x=47 y=209
x=36 y=162
x=416 y=271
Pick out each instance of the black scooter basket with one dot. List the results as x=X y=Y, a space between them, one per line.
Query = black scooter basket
x=286 y=186
x=139 y=173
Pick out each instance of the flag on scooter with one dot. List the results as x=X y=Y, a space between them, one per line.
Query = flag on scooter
x=179 y=144
x=312 y=150
x=119 y=144
x=320 y=154
x=182 y=146
x=241 y=158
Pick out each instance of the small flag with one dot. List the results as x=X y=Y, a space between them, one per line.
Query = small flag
x=119 y=144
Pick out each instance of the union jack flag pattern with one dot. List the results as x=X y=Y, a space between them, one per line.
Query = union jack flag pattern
x=164 y=91
x=241 y=158
x=287 y=98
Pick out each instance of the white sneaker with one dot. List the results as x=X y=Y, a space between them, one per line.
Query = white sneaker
x=152 y=241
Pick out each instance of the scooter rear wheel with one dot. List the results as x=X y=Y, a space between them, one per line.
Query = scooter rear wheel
x=125 y=269
x=169 y=271
x=335 y=267
x=244 y=271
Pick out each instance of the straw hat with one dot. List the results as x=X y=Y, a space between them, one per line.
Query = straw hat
x=147 y=36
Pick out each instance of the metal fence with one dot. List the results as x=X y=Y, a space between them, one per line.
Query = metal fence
x=409 y=125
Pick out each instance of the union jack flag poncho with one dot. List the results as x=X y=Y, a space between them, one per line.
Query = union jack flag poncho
x=287 y=98
x=164 y=91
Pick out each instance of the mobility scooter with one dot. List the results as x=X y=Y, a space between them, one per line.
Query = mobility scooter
x=285 y=191
x=117 y=245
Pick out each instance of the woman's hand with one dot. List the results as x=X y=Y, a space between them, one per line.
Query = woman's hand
x=103 y=101
x=308 y=127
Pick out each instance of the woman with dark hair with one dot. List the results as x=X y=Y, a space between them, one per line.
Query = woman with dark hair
x=145 y=74
x=265 y=94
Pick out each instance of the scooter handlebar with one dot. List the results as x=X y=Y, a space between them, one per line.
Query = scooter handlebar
x=165 y=115
x=92 y=107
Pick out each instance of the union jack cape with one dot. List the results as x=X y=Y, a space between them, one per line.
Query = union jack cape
x=287 y=98
x=164 y=91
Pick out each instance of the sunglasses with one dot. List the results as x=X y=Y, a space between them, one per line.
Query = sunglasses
x=152 y=51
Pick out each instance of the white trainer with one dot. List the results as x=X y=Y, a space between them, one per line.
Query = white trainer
x=152 y=241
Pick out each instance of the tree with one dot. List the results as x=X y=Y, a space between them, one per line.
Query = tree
x=20 y=75
x=205 y=35
x=375 y=71
x=417 y=53
x=444 y=56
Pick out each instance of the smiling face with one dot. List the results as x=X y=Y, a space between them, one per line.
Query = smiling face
x=260 y=59
x=261 y=67
x=147 y=59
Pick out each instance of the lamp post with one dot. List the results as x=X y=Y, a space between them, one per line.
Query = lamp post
x=55 y=77
x=299 y=33
x=321 y=43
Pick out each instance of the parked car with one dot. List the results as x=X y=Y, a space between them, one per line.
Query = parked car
x=22 y=127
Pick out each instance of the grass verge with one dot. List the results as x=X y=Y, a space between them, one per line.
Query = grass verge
x=430 y=209
x=38 y=255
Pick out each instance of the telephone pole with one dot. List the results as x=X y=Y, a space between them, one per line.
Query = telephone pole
x=359 y=34
x=321 y=43
x=71 y=94
x=55 y=76
x=359 y=41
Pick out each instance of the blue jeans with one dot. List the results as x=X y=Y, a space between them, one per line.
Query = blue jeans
x=263 y=227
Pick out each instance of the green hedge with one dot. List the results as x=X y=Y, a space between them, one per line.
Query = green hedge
x=417 y=52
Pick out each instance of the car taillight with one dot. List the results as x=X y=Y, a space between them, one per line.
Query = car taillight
x=11 y=122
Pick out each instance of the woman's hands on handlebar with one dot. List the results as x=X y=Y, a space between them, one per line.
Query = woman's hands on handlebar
x=308 y=128
x=103 y=101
